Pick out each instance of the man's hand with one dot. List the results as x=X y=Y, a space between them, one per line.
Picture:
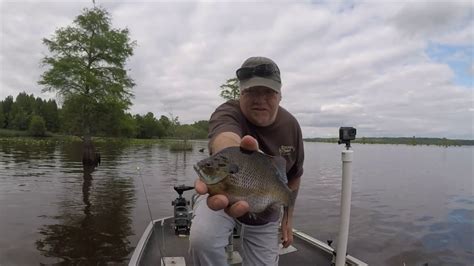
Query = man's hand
x=218 y=202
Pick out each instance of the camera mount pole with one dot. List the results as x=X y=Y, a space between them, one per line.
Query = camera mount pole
x=346 y=192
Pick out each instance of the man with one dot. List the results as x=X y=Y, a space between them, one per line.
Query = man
x=256 y=121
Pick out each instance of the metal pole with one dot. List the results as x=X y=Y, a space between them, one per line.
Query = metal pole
x=345 y=208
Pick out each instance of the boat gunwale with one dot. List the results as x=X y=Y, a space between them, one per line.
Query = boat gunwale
x=136 y=256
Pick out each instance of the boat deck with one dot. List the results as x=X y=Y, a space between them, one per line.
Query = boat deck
x=160 y=241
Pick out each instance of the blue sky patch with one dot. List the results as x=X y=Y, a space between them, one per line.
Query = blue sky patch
x=458 y=58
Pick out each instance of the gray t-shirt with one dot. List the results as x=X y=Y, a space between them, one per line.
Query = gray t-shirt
x=282 y=138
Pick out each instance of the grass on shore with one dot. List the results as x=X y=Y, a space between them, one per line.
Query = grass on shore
x=180 y=146
x=9 y=133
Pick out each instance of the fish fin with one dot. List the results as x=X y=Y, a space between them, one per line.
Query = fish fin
x=280 y=165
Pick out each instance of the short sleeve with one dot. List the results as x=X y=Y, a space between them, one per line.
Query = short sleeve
x=297 y=169
x=226 y=118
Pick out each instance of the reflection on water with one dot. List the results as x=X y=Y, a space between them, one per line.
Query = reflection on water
x=411 y=205
x=99 y=233
x=81 y=216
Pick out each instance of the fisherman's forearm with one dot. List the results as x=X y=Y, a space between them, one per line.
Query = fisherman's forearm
x=294 y=185
x=224 y=140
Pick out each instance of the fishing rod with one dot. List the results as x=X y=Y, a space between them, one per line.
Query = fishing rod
x=151 y=219
x=144 y=190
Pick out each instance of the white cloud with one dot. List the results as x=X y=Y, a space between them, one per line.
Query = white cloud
x=351 y=63
x=431 y=18
x=341 y=108
x=463 y=36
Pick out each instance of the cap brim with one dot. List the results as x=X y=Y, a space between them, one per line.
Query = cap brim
x=258 y=81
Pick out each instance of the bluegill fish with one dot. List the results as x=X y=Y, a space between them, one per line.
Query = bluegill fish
x=255 y=177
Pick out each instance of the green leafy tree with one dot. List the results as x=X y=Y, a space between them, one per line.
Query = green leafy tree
x=202 y=125
x=174 y=124
x=19 y=119
x=2 y=115
x=164 y=126
x=26 y=103
x=202 y=128
x=38 y=107
x=71 y=122
x=7 y=108
x=150 y=125
x=87 y=63
x=128 y=126
x=185 y=132
x=37 y=127
x=109 y=120
x=138 y=121
x=50 y=113
x=230 y=90
x=147 y=125
x=190 y=132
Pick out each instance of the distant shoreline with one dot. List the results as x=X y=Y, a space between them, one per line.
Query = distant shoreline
x=401 y=140
x=9 y=134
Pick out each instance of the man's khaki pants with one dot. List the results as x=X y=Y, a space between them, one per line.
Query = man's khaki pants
x=210 y=231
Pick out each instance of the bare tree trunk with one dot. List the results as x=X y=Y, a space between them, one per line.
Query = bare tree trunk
x=90 y=158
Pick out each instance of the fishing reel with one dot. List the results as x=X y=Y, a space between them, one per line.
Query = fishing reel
x=182 y=216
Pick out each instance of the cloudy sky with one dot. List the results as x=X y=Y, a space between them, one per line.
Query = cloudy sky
x=389 y=68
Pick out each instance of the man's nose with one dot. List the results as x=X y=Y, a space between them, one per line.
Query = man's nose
x=260 y=98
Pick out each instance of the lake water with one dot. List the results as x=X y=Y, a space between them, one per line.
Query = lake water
x=411 y=204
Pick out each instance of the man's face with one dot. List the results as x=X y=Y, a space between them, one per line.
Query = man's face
x=260 y=105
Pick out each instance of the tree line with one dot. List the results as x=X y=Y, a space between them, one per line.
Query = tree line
x=39 y=117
